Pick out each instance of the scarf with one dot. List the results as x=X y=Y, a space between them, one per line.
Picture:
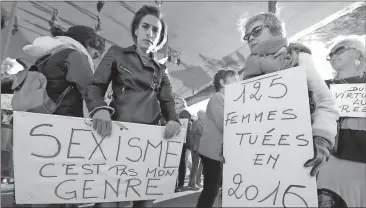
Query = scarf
x=262 y=59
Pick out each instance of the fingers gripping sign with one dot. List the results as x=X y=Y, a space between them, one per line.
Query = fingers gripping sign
x=321 y=155
x=172 y=128
x=102 y=123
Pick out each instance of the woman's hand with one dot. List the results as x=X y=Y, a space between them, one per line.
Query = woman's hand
x=172 y=128
x=293 y=46
x=102 y=122
x=321 y=155
x=282 y=50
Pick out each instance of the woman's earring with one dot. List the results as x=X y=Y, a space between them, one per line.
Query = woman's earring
x=357 y=62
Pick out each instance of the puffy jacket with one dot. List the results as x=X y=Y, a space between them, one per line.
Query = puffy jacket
x=67 y=68
x=72 y=66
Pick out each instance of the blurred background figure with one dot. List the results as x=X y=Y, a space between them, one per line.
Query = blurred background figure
x=181 y=108
x=211 y=144
x=195 y=137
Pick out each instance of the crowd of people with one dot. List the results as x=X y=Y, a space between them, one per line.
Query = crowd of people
x=142 y=93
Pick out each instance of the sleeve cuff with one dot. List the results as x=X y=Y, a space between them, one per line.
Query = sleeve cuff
x=111 y=110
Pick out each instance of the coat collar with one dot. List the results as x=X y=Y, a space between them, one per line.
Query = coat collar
x=133 y=49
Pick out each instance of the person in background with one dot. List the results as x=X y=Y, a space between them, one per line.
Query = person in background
x=71 y=65
x=270 y=52
x=195 y=137
x=211 y=145
x=9 y=68
x=142 y=90
x=181 y=107
x=345 y=172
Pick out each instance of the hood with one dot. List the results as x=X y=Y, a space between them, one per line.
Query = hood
x=45 y=45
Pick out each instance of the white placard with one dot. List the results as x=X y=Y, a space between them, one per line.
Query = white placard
x=351 y=99
x=61 y=160
x=6 y=101
x=267 y=141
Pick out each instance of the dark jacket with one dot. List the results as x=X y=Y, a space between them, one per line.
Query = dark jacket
x=67 y=68
x=184 y=114
x=129 y=74
x=195 y=134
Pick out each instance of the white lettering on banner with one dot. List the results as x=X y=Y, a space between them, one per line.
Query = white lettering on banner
x=267 y=141
x=6 y=101
x=351 y=99
x=60 y=159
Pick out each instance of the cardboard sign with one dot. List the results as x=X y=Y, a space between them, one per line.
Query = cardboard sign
x=6 y=101
x=351 y=99
x=61 y=160
x=267 y=140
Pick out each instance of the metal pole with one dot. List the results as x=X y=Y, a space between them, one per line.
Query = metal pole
x=8 y=30
x=272 y=6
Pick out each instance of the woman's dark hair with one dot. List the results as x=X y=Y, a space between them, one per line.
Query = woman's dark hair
x=86 y=36
x=222 y=74
x=154 y=11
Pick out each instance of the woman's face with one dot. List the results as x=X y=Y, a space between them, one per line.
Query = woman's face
x=341 y=56
x=231 y=79
x=258 y=32
x=179 y=104
x=201 y=115
x=148 y=32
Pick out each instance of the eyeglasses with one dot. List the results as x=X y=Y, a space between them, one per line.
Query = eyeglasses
x=257 y=31
x=337 y=52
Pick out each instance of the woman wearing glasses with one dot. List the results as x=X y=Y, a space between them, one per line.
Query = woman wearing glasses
x=345 y=173
x=142 y=89
x=270 y=52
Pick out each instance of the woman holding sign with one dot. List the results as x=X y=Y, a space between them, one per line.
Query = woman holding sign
x=345 y=173
x=142 y=89
x=270 y=52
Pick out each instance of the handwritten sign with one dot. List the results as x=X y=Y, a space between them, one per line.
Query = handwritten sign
x=6 y=101
x=61 y=160
x=267 y=140
x=351 y=99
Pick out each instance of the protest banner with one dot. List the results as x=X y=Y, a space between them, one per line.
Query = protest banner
x=267 y=141
x=351 y=99
x=6 y=101
x=61 y=160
